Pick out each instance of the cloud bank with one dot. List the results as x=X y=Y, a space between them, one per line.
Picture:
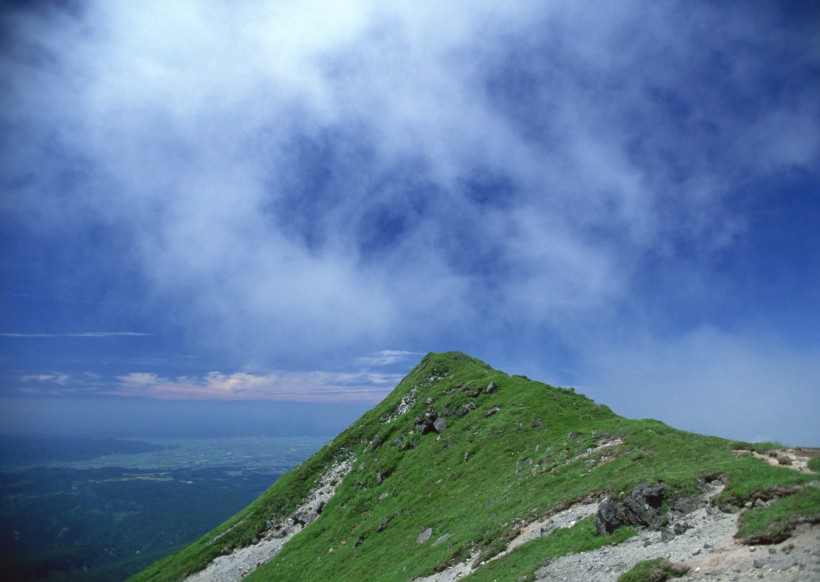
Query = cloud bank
x=297 y=179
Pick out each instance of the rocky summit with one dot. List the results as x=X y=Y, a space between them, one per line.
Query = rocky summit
x=465 y=472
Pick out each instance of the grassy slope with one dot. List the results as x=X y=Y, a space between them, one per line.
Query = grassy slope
x=477 y=481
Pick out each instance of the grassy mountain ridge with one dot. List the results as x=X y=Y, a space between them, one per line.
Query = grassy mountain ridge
x=472 y=454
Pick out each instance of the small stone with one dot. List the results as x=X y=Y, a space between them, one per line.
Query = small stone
x=491 y=387
x=492 y=411
x=681 y=527
x=572 y=436
x=441 y=539
x=424 y=536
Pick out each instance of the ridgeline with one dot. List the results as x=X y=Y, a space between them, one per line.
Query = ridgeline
x=465 y=472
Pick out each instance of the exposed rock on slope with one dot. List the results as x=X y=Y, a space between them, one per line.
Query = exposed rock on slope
x=236 y=565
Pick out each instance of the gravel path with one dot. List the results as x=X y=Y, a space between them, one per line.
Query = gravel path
x=709 y=549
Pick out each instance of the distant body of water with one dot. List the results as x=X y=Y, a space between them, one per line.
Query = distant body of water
x=103 y=509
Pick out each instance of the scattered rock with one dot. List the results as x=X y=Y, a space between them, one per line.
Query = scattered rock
x=491 y=387
x=465 y=409
x=536 y=423
x=439 y=424
x=681 y=527
x=383 y=525
x=572 y=436
x=424 y=536
x=379 y=478
x=492 y=411
x=441 y=539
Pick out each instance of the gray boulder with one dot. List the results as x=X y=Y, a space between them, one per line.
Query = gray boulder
x=642 y=508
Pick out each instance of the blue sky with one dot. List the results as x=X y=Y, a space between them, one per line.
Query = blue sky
x=288 y=203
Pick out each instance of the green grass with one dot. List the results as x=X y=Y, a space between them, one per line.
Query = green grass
x=774 y=523
x=477 y=481
x=657 y=570
x=814 y=464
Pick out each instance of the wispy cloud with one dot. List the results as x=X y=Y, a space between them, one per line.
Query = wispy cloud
x=55 y=378
x=87 y=334
x=387 y=358
x=317 y=386
x=536 y=153
x=292 y=181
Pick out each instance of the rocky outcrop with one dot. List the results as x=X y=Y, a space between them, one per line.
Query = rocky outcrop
x=430 y=421
x=642 y=508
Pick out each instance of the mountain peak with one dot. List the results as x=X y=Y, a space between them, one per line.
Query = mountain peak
x=460 y=461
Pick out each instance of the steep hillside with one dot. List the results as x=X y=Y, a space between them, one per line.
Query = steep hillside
x=463 y=469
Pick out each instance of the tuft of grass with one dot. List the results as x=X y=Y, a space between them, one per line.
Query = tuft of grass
x=657 y=570
x=775 y=522
x=814 y=464
x=522 y=563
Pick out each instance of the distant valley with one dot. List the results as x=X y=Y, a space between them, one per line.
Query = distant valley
x=101 y=509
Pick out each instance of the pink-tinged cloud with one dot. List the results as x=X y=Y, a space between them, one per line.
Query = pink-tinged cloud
x=317 y=386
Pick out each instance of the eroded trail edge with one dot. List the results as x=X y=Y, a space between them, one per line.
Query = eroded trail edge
x=241 y=562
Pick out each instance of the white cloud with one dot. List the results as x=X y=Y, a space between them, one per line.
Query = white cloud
x=292 y=179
